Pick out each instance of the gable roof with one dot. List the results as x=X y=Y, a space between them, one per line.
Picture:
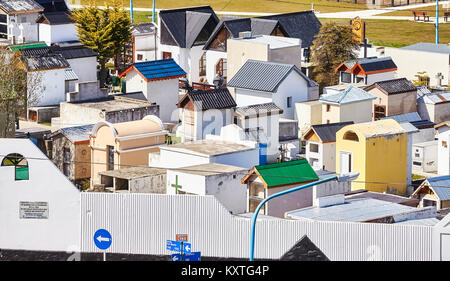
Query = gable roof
x=256 y=110
x=429 y=47
x=302 y=25
x=70 y=52
x=45 y=62
x=55 y=18
x=435 y=98
x=284 y=173
x=439 y=185
x=394 y=86
x=23 y=46
x=185 y=24
x=264 y=76
x=144 y=28
x=349 y=64
x=75 y=134
x=405 y=117
x=20 y=6
x=53 y=5
x=377 y=65
x=156 y=70
x=327 y=132
x=350 y=95
x=209 y=99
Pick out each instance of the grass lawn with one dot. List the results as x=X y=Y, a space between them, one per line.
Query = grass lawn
x=430 y=11
x=415 y=177
x=399 y=33
x=259 y=6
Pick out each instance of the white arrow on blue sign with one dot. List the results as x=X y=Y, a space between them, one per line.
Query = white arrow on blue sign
x=102 y=239
x=187 y=248
x=176 y=257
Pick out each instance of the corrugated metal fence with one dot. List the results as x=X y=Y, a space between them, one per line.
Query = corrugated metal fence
x=141 y=224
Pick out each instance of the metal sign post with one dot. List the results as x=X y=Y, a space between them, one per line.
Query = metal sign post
x=103 y=240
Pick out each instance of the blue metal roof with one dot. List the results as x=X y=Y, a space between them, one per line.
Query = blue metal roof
x=441 y=186
x=159 y=69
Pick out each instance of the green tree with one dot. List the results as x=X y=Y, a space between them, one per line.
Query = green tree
x=19 y=89
x=333 y=45
x=103 y=30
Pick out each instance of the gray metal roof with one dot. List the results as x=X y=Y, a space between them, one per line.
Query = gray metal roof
x=354 y=210
x=134 y=173
x=435 y=98
x=210 y=99
x=143 y=28
x=429 y=47
x=264 y=76
x=440 y=186
x=70 y=75
x=327 y=132
x=12 y=6
x=350 y=95
x=423 y=222
x=257 y=109
x=47 y=62
x=406 y=117
x=75 y=134
x=394 y=86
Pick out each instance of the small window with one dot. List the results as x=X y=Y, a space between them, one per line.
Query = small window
x=346 y=77
x=314 y=147
x=415 y=163
x=351 y=136
x=289 y=102
x=444 y=144
x=328 y=108
x=140 y=57
x=20 y=163
x=417 y=155
x=202 y=65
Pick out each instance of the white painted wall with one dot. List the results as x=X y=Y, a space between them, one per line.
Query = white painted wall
x=430 y=62
x=315 y=159
x=212 y=58
x=227 y=187
x=84 y=68
x=426 y=153
x=146 y=46
x=187 y=59
x=28 y=22
x=423 y=135
x=444 y=153
x=57 y=33
x=162 y=92
x=53 y=83
x=358 y=112
x=372 y=78
x=61 y=231
x=307 y=114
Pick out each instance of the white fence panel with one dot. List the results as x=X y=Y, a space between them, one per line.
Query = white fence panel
x=141 y=224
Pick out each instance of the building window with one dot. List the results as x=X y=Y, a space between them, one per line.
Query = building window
x=140 y=57
x=328 y=108
x=346 y=77
x=313 y=147
x=351 y=136
x=379 y=111
x=289 y=102
x=221 y=68
x=202 y=65
x=359 y=79
x=415 y=163
x=166 y=55
x=444 y=144
x=66 y=162
x=20 y=164
x=110 y=157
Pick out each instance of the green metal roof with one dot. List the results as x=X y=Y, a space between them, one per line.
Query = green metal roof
x=27 y=46
x=286 y=173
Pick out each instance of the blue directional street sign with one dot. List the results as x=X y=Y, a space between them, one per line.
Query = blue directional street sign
x=194 y=256
x=102 y=239
x=176 y=257
x=173 y=246
x=187 y=248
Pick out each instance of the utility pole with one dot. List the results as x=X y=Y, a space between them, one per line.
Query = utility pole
x=437 y=21
x=154 y=11
x=131 y=10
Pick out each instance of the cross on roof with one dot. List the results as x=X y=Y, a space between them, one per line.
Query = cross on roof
x=176 y=185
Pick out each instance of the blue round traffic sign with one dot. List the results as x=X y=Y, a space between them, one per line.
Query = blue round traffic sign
x=102 y=239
